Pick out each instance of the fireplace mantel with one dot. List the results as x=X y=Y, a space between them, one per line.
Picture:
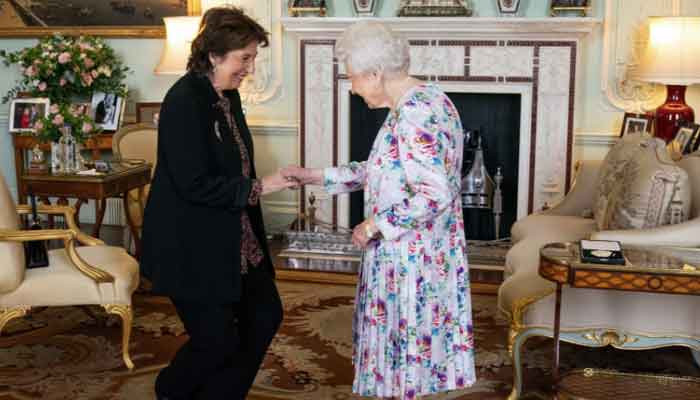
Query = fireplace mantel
x=452 y=27
x=534 y=57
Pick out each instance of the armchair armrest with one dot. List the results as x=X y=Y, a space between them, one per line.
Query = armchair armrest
x=69 y=214
x=580 y=196
x=684 y=234
x=69 y=237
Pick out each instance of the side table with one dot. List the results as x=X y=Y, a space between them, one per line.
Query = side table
x=120 y=180
x=672 y=270
x=24 y=143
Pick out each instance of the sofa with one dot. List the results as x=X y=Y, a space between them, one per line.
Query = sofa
x=605 y=202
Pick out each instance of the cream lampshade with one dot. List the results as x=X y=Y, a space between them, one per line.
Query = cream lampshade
x=179 y=31
x=672 y=57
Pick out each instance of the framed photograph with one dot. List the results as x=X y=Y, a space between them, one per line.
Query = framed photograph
x=146 y=112
x=24 y=112
x=107 y=109
x=118 y=18
x=690 y=132
x=636 y=123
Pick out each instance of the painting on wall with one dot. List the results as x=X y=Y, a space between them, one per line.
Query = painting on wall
x=112 y=18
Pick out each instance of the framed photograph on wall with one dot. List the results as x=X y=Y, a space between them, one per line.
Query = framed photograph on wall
x=147 y=112
x=636 y=123
x=689 y=132
x=107 y=109
x=24 y=112
x=139 y=19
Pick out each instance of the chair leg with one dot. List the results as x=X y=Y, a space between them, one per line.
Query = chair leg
x=124 y=311
x=7 y=314
x=517 y=340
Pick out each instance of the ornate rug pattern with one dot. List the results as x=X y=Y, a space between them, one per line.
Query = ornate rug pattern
x=64 y=353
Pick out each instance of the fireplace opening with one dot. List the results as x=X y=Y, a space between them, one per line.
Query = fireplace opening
x=496 y=118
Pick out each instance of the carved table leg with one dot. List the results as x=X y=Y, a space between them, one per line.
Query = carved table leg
x=77 y=206
x=100 y=206
x=46 y=201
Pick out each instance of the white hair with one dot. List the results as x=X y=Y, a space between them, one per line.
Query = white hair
x=369 y=46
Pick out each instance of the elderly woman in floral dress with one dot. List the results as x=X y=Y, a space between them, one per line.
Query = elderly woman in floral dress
x=412 y=329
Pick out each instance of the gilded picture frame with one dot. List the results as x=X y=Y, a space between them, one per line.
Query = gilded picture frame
x=118 y=18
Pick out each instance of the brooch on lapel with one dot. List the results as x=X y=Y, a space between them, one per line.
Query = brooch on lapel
x=217 y=131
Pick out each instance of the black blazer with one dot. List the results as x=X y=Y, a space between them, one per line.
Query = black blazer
x=192 y=230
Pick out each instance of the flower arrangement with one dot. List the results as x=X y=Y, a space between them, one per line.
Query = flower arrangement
x=48 y=128
x=62 y=68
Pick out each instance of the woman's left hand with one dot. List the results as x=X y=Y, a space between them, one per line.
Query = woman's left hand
x=364 y=232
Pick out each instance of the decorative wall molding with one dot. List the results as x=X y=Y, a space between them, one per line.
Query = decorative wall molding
x=595 y=138
x=259 y=129
x=451 y=27
x=624 y=34
x=266 y=83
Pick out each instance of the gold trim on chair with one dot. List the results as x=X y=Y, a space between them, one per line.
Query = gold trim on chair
x=124 y=311
x=69 y=215
x=6 y=314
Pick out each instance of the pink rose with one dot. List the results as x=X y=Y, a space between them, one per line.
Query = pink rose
x=88 y=62
x=62 y=82
x=38 y=125
x=58 y=120
x=84 y=46
x=53 y=109
x=63 y=57
x=42 y=86
x=87 y=127
x=87 y=78
x=30 y=71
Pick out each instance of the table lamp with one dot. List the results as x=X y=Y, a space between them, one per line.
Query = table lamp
x=672 y=57
x=179 y=32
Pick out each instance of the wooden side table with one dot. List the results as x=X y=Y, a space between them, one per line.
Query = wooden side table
x=116 y=183
x=648 y=269
x=24 y=143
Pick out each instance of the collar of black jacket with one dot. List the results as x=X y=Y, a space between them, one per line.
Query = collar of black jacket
x=204 y=86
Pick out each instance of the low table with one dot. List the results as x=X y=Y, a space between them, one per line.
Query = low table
x=673 y=270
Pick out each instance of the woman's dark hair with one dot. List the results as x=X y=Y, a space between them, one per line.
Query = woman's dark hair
x=223 y=29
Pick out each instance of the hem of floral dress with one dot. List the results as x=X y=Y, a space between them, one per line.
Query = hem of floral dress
x=467 y=385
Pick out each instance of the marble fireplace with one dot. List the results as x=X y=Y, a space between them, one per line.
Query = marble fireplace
x=535 y=58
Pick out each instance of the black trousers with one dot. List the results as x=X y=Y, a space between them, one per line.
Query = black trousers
x=227 y=343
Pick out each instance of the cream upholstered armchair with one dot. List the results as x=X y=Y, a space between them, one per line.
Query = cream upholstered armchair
x=138 y=142
x=93 y=274
x=589 y=317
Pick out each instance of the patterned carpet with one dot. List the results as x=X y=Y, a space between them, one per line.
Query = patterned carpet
x=63 y=353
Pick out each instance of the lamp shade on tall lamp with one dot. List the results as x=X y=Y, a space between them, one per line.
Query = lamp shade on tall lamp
x=672 y=57
x=179 y=31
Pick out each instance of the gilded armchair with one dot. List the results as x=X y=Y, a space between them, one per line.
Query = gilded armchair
x=138 y=142
x=93 y=274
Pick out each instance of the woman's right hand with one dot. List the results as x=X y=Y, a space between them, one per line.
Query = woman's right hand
x=276 y=182
x=303 y=176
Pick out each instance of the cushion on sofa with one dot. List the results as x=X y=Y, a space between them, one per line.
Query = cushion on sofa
x=651 y=191
x=610 y=171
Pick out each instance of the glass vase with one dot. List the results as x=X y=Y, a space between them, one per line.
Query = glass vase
x=56 y=158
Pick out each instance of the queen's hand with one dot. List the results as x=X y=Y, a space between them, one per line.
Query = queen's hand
x=303 y=176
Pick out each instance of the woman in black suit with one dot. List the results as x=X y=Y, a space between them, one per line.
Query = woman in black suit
x=203 y=236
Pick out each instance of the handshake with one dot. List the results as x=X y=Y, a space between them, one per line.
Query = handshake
x=291 y=177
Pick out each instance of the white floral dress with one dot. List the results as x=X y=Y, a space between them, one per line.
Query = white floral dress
x=412 y=329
